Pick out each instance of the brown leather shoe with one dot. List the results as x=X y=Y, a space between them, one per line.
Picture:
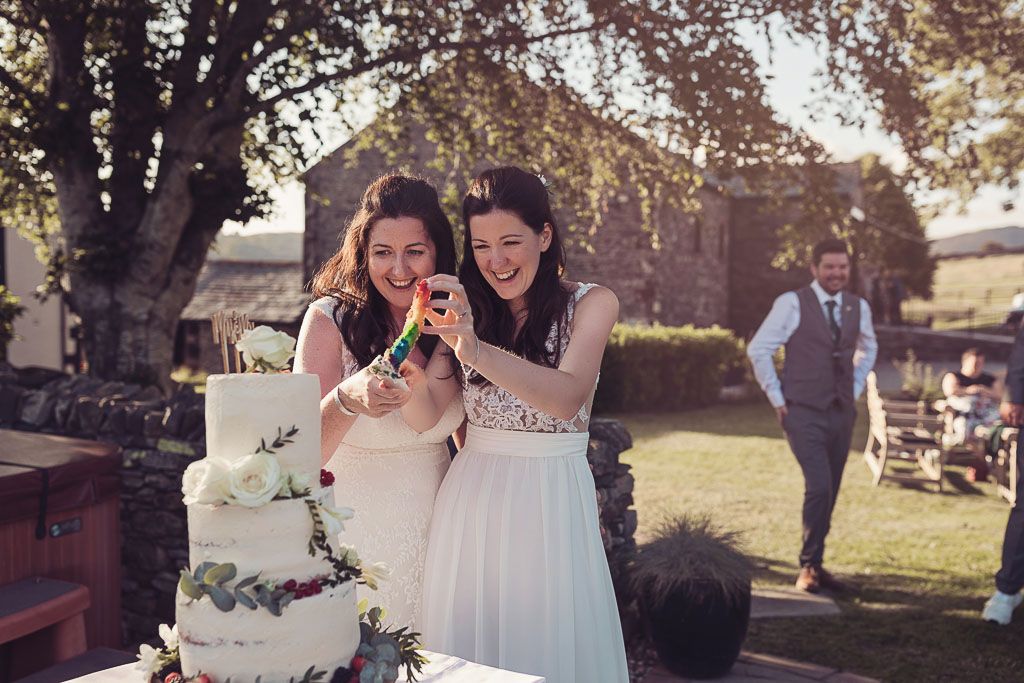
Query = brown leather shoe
x=808 y=580
x=830 y=582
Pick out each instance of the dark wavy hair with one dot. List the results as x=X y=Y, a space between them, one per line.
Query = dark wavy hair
x=514 y=190
x=361 y=312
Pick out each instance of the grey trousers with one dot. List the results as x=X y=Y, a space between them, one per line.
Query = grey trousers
x=820 y=440
x=1010 y=578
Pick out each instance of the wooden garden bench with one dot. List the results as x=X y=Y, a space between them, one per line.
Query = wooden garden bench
x=903 y=431
x=32 y=606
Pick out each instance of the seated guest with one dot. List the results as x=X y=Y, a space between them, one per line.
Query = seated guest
x=973 y=393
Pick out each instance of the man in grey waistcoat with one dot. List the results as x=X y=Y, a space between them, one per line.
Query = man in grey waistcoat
x=1010 y=577
x=830 y=349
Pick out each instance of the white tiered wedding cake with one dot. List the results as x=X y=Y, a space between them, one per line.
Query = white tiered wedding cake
x=268 y=592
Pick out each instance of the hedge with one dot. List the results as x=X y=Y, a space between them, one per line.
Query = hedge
x=665 y=368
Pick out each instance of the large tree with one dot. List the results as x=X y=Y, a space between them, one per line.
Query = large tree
x=130 y=130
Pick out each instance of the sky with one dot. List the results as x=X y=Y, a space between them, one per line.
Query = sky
x=790 y=91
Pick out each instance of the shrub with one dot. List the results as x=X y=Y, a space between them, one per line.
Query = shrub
x=10 y=308
x=665 y=368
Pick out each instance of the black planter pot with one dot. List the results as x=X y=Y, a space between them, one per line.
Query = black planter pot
x=697 y=632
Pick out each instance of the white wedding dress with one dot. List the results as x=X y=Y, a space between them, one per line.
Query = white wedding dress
x=516 y=574
x=389 y=475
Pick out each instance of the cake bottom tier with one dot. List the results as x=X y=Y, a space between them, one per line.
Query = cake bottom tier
x=321 y=631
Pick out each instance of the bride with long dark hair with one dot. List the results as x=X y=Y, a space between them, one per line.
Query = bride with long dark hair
x=387 y=472
x=516 y=574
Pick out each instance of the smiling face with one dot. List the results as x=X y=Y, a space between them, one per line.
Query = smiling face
x=400 y=253
x=832 y=272
x=507 y=252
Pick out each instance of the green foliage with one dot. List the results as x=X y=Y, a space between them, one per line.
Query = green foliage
x=10 y=308
x=664 y=368
x=918 y=380
x=691 y=554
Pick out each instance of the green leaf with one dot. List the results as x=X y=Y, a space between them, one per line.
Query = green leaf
x=188 y=585
x=245 y=583
x=220 y=574
x=286 y=599
x=244 y=599
x=274 y=607
x=202 y=569
x=224 y=601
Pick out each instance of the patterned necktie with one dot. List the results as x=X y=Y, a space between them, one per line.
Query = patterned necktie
x=831 y=304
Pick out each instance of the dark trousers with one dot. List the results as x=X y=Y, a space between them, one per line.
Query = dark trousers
x=820 y=440
x=1010 y=577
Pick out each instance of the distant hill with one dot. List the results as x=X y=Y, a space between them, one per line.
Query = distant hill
x=262 y=246
x=1010 y=237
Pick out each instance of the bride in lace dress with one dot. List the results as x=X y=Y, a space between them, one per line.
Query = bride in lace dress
x=516 y=573
x=385 y=471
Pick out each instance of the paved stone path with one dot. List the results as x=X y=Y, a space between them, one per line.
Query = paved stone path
x=753 y=668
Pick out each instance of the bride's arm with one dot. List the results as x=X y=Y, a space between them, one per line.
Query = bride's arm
x=432 y=389
x=559 y=392
x=321 y=352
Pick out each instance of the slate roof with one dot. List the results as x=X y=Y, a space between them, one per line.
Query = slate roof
x=269 y=291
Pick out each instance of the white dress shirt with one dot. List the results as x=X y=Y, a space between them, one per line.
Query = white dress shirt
x=781 y=323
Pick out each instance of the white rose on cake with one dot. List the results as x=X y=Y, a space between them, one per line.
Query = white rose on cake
x=265 y=349
x=255 y=479
x=205 y=481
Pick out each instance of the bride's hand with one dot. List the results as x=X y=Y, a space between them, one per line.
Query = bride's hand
x=455 y=325
x=413 y=375
x=367 y=394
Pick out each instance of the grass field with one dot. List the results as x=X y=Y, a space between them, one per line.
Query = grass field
x=920 y=563
x=985 y=284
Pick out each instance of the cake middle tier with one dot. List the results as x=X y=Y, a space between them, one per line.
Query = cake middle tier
x=272 y=539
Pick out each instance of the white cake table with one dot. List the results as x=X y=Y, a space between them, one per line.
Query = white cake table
x=439 y=669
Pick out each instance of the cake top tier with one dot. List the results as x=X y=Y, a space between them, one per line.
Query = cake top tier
x=245 y=411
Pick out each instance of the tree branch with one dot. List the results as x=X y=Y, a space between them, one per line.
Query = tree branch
x=400 y=56
x=19 y=91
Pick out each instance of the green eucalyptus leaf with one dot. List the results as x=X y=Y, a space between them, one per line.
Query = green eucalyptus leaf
x=285 y=599
x=274 y=607
x=245 y=583
x=202 y=569
x=244 y=599
x=262 y=596
x=220 y=574
x=188 y=585
x=223 y=599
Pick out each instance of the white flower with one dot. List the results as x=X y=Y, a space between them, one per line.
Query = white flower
x=265 y=349
x=255 y=479
x=205 y=481
x=169 y=634
x=335 y=518
x=347 y=553
x=297 y=484
x=375 y=573
x=149 y=660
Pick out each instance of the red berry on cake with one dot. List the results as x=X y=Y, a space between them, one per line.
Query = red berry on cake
x=326 y=478
x=317 y=588
x=174 y=677
x=358 y=663
x=289 y=585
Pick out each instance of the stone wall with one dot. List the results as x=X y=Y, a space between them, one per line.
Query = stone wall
x=160 y=437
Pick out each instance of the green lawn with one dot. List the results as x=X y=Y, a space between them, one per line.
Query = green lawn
x=920 y=563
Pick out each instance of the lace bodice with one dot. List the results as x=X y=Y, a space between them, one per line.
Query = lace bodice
x=488 y=405
x=390 y=432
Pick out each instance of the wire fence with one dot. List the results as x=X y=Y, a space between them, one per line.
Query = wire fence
x=968 y=307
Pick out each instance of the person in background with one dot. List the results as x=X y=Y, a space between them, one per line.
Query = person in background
x=973 y=394
x=1010 y=577
x=830 y=349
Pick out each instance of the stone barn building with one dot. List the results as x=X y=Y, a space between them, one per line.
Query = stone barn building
x=683 y=281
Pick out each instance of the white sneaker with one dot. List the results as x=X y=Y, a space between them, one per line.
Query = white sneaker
x=999 y=608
